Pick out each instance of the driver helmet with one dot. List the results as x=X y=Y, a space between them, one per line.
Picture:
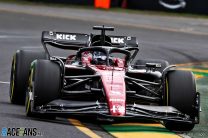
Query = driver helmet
x=99 y=57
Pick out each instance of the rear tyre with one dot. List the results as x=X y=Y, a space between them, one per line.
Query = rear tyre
x=163 y=63
x=20 y=72
x=181 y=94
x=44 y=86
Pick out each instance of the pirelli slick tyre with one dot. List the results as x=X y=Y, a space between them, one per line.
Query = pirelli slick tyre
x=20 y=72
x=139 y=63
x=181 y=94
x=44 y=86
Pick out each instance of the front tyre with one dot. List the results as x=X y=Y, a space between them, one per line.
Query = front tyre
x=181 y=94
x=44 y=86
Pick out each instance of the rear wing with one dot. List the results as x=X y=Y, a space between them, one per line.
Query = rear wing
x=124 y=41
x=64 y=40
x=75 y=41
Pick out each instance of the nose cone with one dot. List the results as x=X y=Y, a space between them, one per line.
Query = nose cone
x=115 y=90
x=117 y=109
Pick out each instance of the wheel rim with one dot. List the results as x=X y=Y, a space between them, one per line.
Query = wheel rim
x=27 y=104
x=30 y=88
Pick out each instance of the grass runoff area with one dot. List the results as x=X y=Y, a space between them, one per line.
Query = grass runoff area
x=114 y=9
x=200 y=130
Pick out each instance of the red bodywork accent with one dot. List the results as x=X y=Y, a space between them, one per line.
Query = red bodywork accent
x=114 y=87
x=115 y=90
x=112 y=80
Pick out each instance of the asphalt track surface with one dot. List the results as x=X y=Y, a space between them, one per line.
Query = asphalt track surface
x=22 y=30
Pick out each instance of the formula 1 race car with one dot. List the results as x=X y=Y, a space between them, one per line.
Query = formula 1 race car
x=101 y=80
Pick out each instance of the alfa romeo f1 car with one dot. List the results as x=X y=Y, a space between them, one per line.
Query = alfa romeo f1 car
x=102 y=80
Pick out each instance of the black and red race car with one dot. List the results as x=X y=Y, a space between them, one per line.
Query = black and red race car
x=101 y=80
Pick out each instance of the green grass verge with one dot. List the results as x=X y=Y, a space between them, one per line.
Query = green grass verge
x=121 y=10
x=200 y=130
x=111 y=128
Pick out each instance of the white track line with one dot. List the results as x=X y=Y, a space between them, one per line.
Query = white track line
x=15 y=36
x=4 y=82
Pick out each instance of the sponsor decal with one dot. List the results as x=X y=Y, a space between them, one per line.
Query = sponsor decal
x=173 y=4
x=158 y=65
x=115 y=86
x=117 y=40
x=115 y=93
x=20 y=131
x=118 y=108
x=66 y=37
x=116 y=100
